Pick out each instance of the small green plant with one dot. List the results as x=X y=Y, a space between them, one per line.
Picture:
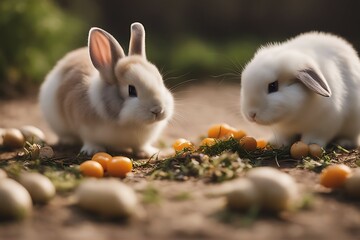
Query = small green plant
x=224 y=160
x=333 y=155
x=62 y=171
x=227 y=159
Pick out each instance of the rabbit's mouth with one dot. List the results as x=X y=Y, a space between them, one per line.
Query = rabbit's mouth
x=257 y=119
x=154 y=118
x=254 y=117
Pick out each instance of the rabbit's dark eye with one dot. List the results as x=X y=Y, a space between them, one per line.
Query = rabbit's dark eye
x=132 y=91
x=273 y=87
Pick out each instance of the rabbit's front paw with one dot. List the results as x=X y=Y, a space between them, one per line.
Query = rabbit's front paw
x=146 y=152
x=90 y=149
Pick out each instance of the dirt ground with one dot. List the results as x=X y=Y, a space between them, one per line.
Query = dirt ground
x=331 y=215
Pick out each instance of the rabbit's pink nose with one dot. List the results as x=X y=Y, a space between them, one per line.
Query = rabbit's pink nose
x=157 y=111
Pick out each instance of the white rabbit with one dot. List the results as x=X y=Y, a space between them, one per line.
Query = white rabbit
x=307 y=87
x=106 y=100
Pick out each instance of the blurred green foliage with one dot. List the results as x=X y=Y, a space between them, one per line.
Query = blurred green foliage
x=193 y=55
x=37 y=33
x=34 y=34
x=190 y=39
x=196 y=57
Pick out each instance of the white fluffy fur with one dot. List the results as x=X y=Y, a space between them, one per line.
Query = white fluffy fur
x=133 y=126
x=96 y=85
x=295 y=110
x=49 y=107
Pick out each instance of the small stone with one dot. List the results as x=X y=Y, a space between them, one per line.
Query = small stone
x=46 y=152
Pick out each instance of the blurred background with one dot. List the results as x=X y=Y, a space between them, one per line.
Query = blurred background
x=201 y=39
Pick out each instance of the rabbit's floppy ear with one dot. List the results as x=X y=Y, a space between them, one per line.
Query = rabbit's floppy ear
x=137 y=40
x=314 y=82
x=104 y=52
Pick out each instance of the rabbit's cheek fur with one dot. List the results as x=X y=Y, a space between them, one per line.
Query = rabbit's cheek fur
x=131 y=112
x=265 y=114
x=140 y=111
x=269 y=109
x=105 y=98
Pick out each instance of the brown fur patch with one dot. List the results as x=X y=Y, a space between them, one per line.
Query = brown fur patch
x=72 y=95
x=123 y=65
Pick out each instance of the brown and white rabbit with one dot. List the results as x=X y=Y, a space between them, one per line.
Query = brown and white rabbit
x=308 y=86
x=106 y=100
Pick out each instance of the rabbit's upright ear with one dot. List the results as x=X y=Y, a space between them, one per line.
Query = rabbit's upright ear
x=104 y=52
x=137 y=40
x=314 y=82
